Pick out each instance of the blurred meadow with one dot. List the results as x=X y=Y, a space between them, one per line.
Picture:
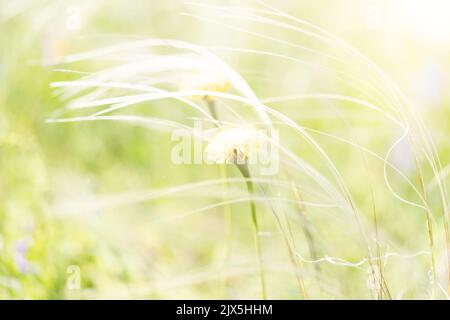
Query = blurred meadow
x=353 y=96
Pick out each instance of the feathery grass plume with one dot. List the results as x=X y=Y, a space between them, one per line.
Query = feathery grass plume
x=383 y=89
x=187 y=76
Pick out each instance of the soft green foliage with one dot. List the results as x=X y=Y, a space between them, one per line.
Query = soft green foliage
x=342 y=218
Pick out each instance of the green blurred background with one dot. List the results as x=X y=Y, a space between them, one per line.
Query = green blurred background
x=130 y=250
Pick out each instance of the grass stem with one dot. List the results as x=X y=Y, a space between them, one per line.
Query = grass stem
x=243 y=168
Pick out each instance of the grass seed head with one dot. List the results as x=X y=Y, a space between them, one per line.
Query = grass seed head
x=212 y=80
x=234 y=145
